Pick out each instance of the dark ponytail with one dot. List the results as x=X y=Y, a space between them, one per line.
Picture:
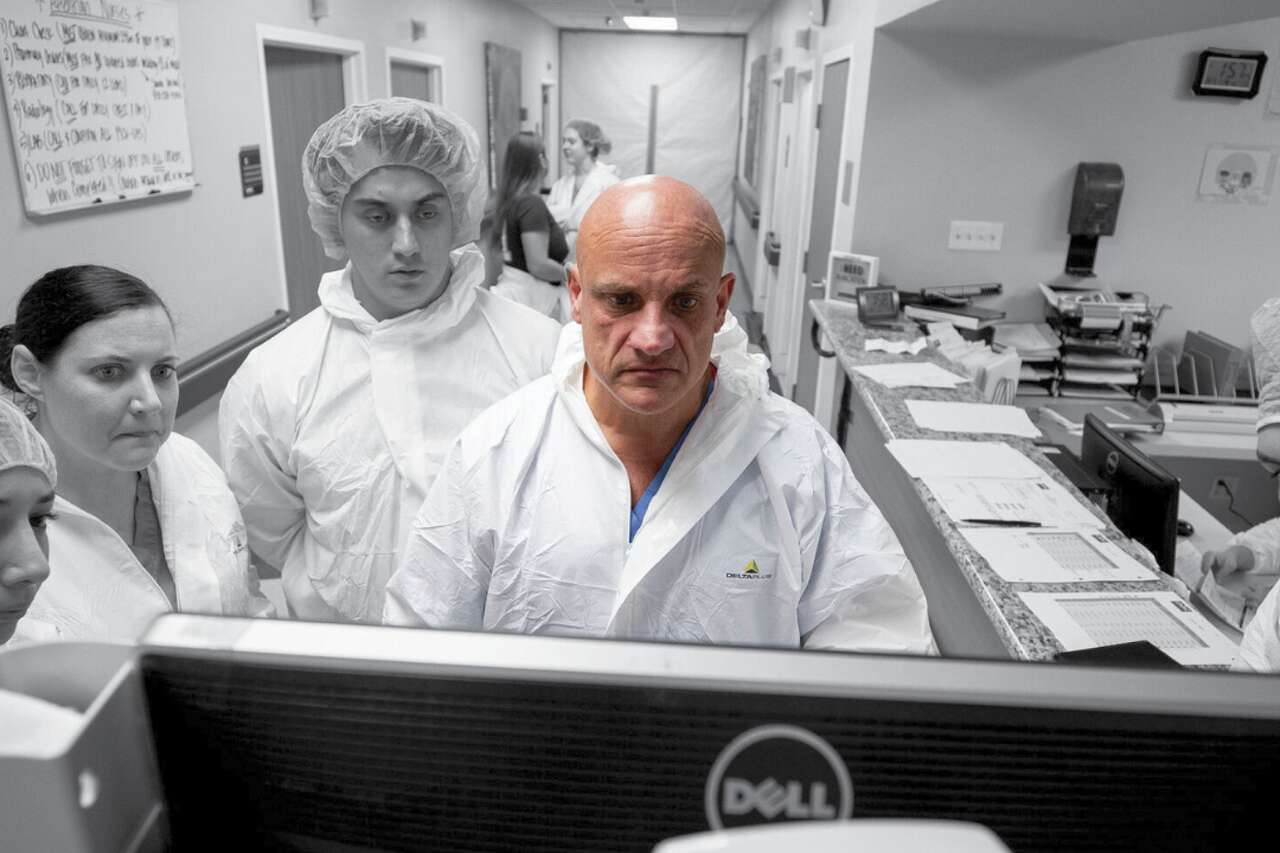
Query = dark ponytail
x=63 y=300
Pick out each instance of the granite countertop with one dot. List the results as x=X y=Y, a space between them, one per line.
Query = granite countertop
x=1022 y=633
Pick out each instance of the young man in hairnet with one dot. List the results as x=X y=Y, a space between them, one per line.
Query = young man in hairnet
x=1258 y=548
x=332 y=431
x=652 y=487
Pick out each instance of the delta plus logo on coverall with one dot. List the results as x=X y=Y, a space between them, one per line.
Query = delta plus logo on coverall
x=772 y=774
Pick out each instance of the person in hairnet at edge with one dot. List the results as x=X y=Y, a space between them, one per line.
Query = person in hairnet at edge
x=332 y=431
x=1258 y=548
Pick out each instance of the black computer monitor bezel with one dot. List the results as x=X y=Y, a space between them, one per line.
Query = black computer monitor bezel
x=1159 y=528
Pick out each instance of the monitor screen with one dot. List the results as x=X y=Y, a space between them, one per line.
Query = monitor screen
x=305 y=736
x=1143 y=497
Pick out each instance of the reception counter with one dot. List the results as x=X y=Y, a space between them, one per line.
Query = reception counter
x=974 y=612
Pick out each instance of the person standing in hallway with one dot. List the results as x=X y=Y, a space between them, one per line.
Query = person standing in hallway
x=28 y=475
x=652 y=487
x=534 y=241
x=143 y=522
x=572 y=195
x=1258 y=548
x=332 y=431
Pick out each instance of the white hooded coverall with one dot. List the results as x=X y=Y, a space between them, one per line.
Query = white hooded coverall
x=568 y=209
x=97 y=589
x=332 y=431
x=759 y=534
x=1260 y=648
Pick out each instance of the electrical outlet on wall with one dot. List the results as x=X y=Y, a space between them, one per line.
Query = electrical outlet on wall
x=967 y=235
x=1223 y=488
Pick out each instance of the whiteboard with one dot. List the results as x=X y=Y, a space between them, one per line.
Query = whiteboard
x=94 y=94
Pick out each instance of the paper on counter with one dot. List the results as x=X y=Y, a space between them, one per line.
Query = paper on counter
x=1042 y=500
x=898 y=347
x=972 y=417
x=903 y=374
x=1034 y=555
x=927 y=457
x=1085 y=620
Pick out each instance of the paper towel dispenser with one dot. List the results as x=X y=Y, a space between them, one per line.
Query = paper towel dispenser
x=1095 y=206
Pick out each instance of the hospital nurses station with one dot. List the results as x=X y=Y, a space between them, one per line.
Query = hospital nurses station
x=670 y=425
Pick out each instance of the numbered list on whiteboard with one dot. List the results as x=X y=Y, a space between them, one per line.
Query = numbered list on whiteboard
x=95 y=100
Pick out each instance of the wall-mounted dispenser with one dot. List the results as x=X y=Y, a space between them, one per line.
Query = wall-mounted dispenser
x=1095 y=205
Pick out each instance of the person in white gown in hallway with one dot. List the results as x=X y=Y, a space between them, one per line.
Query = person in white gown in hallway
x=1258 y=548
x=332 y=431
x=652 y=487
x=143 y=523
x=573 y=193
x=28 y=475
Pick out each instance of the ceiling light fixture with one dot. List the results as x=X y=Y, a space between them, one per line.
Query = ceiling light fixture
x=649 y=22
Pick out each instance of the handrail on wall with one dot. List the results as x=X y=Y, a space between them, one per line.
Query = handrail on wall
x=205 y=375
x=748 y=201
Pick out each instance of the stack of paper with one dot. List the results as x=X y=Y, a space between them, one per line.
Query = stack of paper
x=904 y=374
x=972 y=417
x=1033 y=341
x=934 y=458
x=897 y=347
x=1085 y=620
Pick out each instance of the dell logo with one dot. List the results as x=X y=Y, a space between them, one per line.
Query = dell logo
x=774 y=774
x=771 y=799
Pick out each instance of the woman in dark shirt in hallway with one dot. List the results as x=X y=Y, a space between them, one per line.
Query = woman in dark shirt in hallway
x=535 y=244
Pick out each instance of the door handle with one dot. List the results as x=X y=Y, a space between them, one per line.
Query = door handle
x=814 y=331
x=772 y=249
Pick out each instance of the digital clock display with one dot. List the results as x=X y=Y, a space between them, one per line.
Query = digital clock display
x=1225 y=72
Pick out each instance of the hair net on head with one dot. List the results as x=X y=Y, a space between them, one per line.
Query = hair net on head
x=392 y=132
x=21 y=446
x=1265 y=326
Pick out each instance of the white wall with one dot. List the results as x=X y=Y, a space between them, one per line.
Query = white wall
x=992 y=129
x=211 y=253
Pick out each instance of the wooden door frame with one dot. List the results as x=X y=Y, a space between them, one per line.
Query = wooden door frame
x=421 y=60
x=355 y=91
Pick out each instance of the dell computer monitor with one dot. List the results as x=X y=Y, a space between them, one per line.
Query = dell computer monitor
x=1143 y=497
x=275 y=735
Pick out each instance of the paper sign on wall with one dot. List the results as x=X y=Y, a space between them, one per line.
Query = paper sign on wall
x=1238 y=174
x=95 y=102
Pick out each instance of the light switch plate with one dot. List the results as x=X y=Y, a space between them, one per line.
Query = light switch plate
x=967 y=235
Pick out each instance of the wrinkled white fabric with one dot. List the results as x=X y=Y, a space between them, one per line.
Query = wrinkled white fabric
x=392 y=132
x=332 y=431
x=22 y=446
x=568 y=209
x=1265 y=329
x=550 y=300
x=1260 y=648
x=759 y=534
x=97 y=589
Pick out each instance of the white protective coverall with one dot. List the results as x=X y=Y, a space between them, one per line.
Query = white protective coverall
x=568 y=209
x=97 y=589
x=1260 y=648
x=332 y=431
x=759 y=534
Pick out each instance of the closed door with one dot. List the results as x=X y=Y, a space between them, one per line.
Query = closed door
x=304 y=88
x=826 y=178
x=785 y=342
x=415 y=81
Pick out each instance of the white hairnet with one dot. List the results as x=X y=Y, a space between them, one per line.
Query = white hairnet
x=21 y=446
x=1265 y=326
x=392 y=132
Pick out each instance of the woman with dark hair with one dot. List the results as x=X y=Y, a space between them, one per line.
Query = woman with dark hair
x=582 y=144
x=535 y=244
x=143 y=522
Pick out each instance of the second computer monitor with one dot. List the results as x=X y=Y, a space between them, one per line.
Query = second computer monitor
x=1143 y=497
